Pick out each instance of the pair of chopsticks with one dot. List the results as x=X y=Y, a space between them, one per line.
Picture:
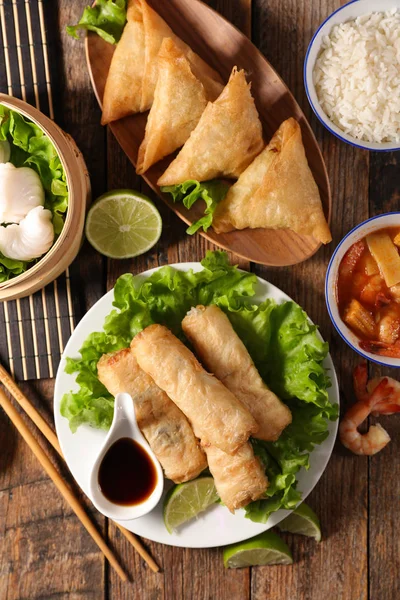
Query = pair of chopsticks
x=54 y=475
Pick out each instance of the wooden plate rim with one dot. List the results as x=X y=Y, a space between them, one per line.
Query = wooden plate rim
x=213 y=237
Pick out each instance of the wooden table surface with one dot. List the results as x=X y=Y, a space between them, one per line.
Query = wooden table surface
x=44 y=551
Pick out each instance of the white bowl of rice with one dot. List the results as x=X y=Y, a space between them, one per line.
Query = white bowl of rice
x=352 y=74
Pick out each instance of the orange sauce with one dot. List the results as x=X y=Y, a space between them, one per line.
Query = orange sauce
x=366 y=304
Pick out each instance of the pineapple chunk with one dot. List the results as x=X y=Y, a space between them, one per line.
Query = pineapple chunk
x=386 y=255
x=397 y=240
x=360 y=319
x=371 y=268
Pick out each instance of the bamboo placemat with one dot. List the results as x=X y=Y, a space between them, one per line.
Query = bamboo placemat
x=33 y=330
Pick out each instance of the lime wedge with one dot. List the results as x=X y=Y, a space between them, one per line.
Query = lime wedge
x=264 y=549
x=187 y=500
x=123 y=224
x=304 y=521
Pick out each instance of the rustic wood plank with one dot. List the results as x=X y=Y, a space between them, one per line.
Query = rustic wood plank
x=38 y=533
x=283 y=31
x=44 y=536
x=45 y=551
x=38 y=530
x=384 y=468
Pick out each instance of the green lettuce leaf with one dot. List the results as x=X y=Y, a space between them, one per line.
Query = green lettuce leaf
x=188 y=192
x=10 y=268
x=31 y=147
x=284 y=345
x=107 y=18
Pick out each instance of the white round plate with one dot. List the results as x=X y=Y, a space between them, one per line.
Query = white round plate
x=216 y=527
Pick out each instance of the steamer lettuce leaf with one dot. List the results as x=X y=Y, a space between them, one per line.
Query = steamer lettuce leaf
x=188 y=192
x=30 y=147
x=107 y=18
x=284 y=345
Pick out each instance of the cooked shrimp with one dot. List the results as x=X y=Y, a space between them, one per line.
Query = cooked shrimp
x=382 y=348
x=376 y=438
x=389 y=324
x=395 y=292
x=389 y=405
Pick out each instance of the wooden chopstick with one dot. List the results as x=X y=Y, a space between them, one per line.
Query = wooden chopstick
x=48 y=433
x=59 y=482
x=30 y=410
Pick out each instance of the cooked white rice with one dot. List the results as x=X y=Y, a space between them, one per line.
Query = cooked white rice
x=357 y=76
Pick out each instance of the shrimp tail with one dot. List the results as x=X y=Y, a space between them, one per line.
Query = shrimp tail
x=382 y=348
x=385 y=408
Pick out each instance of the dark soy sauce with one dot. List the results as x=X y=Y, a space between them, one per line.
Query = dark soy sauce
x=127 y=475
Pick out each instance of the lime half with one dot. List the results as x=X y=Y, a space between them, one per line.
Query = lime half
x=304 y=521
x=187 y=500
x=264 y=549
x=123 y=224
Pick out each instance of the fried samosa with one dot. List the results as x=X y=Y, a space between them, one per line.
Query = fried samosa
x=123 y=90
x=276 y=191
x=156 y=29
x=226 y=140
x=179 y=101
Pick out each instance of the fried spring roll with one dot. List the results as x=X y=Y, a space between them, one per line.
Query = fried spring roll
x=163 y=425
x=218 y=418
x=239 y=478
x=224 y=354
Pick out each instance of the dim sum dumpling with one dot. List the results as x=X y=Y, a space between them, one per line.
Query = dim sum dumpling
x=32 y=238
x=179 y=101
x=123 y=90
x=277 y=190
x=226 y=140
x=20 y=191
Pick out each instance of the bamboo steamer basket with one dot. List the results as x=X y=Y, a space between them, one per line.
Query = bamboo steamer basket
x=67 y=246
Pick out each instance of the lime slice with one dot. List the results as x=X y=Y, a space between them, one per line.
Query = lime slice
x=304 y=521
x=187 y=500
x=123 y=224
x=264 y=549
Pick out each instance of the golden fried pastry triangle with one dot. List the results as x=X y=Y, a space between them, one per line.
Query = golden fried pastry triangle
x=133 y=73
x=123 y=90
x=179 y=101
x=276 y=191
x=156 y=29
x=226 y=140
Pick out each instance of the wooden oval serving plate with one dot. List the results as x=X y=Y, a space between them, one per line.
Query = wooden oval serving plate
x=223 y=46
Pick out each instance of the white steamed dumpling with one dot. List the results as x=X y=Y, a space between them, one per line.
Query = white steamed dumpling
x=5 y=151
x=32 y=238
x=20 y=191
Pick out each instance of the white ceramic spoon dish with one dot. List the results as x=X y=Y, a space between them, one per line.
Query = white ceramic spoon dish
x=124 y=425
